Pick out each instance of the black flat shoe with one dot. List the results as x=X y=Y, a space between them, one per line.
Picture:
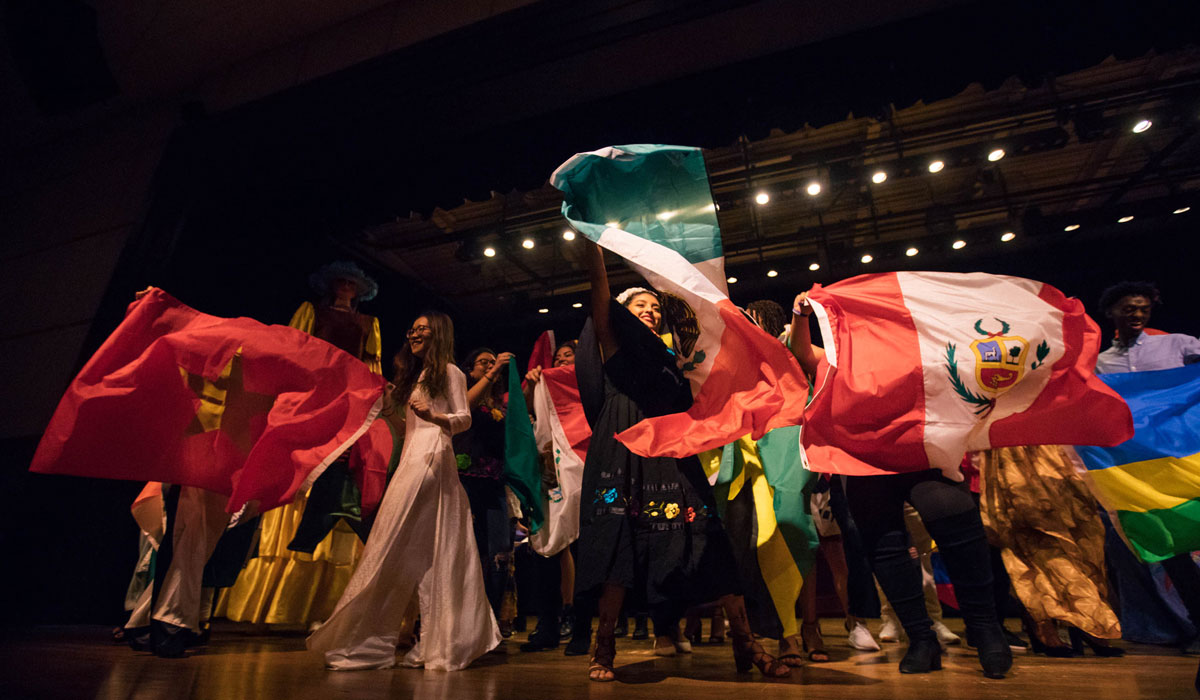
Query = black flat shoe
x=621 y=629
x=580 y=644
x=640 y=628
x=923 y=656
x=1100 y=648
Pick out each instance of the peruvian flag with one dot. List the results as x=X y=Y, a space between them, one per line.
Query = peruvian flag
x=652 y=206
x=229 y=405
x=922 y=367
x=562 y=434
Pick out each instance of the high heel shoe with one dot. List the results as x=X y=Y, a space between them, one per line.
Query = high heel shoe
x=1040 y=636
x=923 y=655
x=1099 y=647
x=601 y=668
x=747 y=653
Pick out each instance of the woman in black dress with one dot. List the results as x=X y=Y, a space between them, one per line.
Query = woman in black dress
x=649 y=525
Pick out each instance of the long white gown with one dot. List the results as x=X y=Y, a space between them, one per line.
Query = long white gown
x=422 y=539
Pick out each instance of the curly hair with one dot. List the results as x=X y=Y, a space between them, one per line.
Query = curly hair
x=429 y=371
x=771 y=316
x=1120 y=290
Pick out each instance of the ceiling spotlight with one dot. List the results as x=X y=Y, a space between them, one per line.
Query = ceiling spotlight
x=762 y=198
x=1182 y=210
x=936 y=166
x=867 y=258
x=568 y=235
x=772 y=273
x=959 y=244
x=814 y=267
x=489 y=252
x=1008 y=236
x=813 y=189
x=527 y=244
x=731 y=279
x=666 y=215
x=879 y=177
x=612 y=224
x=1124 y=219
x=1143 y=125
x=577 y=305
x=911 y=252
x=543 y=310
x=1071 y=227
x=996 y=155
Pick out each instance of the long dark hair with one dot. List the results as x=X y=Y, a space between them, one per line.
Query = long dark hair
x=497 y=388
x=438 y=355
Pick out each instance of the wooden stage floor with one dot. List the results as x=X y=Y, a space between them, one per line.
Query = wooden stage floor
x=79 y=662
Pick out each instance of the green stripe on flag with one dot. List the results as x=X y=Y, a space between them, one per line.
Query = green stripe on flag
x=522 y=469
x=659 y=193
x=1160 y=534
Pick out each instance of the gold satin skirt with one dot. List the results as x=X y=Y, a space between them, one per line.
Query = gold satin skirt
x=1038 y=510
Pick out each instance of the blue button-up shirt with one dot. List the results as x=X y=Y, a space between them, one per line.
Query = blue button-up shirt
x=1150 y=352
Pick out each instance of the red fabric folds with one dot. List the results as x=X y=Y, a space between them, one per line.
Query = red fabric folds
x=229 y=405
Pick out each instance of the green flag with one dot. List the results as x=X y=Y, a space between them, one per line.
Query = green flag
x=522 y=470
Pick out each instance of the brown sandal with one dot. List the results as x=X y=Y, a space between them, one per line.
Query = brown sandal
x=747 y=653
x=601 y=668
x=814 y=643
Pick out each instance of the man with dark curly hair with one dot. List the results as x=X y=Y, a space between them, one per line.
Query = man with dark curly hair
x=1137 y=348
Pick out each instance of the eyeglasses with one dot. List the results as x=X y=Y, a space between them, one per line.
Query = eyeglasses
x=484 y=362
x=417 y=330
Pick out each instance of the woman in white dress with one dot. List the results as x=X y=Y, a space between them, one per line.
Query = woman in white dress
x=422 y=538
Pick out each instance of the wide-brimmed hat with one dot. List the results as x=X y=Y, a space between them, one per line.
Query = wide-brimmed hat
x=322 y=280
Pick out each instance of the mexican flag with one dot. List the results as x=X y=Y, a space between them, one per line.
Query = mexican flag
x=652 y=206
x=562 y=434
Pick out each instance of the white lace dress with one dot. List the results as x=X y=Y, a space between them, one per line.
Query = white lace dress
x=422 y=539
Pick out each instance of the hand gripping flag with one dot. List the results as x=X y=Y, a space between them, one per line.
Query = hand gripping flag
x=925 y=366
x=652 y=206
x=562 y=434
x=1151 y=483
x=228 y=405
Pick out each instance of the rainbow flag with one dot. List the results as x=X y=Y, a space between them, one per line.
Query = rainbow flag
x=1150 y=484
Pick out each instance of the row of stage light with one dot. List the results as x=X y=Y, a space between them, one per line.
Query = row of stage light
x=912 y=251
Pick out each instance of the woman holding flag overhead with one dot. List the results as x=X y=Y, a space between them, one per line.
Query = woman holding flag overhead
x=648 y=524
x=422 y=539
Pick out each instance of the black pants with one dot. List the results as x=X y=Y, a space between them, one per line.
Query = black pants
x=862 y=600
x=952 y=519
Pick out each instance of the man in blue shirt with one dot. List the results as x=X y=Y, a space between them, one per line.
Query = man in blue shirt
x=1137 y=348
x=1140 y=349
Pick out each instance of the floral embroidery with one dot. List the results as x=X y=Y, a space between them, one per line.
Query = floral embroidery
x=497 y=415
x=671 y=510
x=463 y=462
x=609 y=496
x=691 y=514
x=652 y=509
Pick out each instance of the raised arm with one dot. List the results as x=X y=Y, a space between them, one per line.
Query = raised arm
x=800 y=339
x=601 y=295
x=480 y=389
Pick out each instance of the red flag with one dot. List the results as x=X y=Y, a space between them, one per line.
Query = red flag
x=543 y=352
x=228 y=405
x=925 y=366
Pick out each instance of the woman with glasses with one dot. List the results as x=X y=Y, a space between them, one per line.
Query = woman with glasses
x=422 y=539
x=479 y=454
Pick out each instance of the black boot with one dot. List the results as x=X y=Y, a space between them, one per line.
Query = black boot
x=899 y=576
x=169 y=641
x=964 y=549
x=641 y=630
x=567 y=626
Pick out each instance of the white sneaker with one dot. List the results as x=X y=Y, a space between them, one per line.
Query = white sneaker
x=944 y=635
x=860 y=638
x=890 y=631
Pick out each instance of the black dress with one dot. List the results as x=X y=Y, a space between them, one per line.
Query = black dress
x=647 y=523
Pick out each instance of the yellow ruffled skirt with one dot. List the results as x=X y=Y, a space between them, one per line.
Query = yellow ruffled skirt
x=282 y=587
